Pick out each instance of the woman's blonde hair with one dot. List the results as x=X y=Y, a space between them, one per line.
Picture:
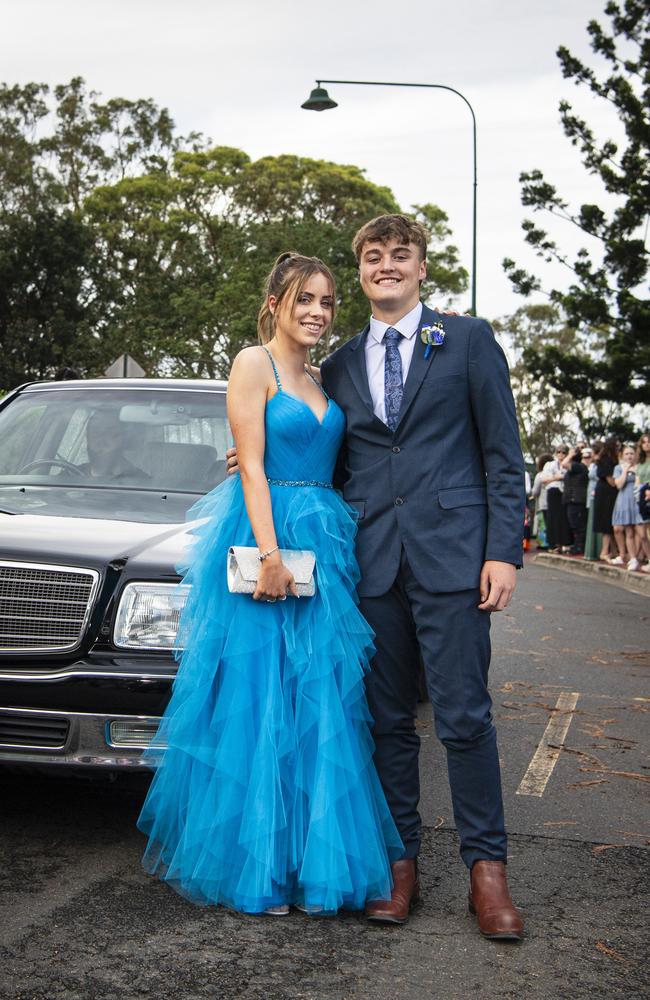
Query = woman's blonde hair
x=285 y=282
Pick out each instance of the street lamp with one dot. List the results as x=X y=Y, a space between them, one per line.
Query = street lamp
x=320 y=100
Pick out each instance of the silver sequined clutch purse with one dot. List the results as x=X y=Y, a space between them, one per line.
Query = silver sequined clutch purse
x=244 y=569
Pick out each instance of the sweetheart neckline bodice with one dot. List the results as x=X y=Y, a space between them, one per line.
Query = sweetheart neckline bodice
x=298 y=399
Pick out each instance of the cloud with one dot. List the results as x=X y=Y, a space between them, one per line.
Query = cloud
x=239 y=73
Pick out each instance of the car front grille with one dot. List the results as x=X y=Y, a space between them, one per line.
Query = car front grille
x=42 y=607
x=43 y=732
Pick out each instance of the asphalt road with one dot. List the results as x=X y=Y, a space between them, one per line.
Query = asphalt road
x=566 y=635
x=80 y=921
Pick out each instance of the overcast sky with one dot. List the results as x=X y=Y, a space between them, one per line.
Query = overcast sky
x=239 y=70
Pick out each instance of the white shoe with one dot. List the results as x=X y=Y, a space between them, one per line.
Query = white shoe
x=616 y=562
x=277 y=911
x=633 y=563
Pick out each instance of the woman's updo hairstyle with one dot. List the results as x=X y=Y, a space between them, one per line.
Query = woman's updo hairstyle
x=285 y=283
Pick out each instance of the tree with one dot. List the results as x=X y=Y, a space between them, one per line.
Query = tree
x=118 y=235
x=56 y=152
x=52 y=154
x=609 y=357
x=183 y=253
x=43 y=313
x=545 y=414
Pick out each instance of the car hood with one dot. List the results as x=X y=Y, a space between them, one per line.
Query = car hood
x=95 y=503
x=92 y=542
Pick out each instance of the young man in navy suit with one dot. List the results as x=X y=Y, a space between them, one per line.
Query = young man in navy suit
x=433 y=465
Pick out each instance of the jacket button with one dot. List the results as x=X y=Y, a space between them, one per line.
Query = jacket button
x=396 y=449
x=398 y=501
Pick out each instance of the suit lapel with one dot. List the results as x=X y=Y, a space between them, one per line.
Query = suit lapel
x=357 y=367
x=419 y=364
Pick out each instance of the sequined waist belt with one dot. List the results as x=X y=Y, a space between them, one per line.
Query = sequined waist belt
x=299 y=482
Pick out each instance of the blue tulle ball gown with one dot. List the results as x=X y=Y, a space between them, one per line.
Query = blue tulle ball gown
x=265 y=792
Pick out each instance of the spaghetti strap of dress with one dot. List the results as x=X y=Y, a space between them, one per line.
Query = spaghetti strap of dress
x=275 y=370
x=308 y=373
x=315 y=380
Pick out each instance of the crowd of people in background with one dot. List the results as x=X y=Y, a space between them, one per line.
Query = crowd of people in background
x=594 y=501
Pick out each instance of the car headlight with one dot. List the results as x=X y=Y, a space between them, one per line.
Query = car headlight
x=148 y=615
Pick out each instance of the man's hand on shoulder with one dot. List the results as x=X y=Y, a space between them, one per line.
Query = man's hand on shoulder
x=497 y=585
x=232 y=465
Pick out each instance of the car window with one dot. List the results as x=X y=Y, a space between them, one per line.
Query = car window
x=16 y=439
x=130 y=438
x=72 y=446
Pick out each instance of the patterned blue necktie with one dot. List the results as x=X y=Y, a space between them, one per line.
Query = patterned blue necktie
x=393 y=388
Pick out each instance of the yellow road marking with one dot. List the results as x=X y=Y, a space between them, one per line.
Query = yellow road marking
x=546 y=756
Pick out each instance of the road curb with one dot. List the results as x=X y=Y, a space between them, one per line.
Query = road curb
x=636 y=583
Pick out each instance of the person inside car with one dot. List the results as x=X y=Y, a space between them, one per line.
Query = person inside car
x=105 y=446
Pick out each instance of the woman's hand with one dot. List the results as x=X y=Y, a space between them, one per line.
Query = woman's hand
x=448 y=312
x=232 y=464
x=275 y=580
x=568 y=459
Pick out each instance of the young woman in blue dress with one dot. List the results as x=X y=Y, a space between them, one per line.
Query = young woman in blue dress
x=265 y=794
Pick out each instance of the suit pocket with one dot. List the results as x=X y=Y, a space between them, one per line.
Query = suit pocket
x=359 y=506
x=435 y=380
x=462 y=496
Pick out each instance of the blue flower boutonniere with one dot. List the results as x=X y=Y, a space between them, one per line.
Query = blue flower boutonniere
x=432 y=336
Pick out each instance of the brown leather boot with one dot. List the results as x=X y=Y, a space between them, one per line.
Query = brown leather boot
x=489 y=900
x=406 y=891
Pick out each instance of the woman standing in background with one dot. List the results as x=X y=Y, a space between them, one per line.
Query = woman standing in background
x=574 y=498
x=605 y=495
x=539 y=496
x=593 y=539
x=626 y=516
x=557 y=526
x=642 y=477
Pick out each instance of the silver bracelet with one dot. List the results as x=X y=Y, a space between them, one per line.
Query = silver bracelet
x=264 y=555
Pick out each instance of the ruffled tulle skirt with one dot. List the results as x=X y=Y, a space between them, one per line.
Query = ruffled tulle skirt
x=265 y=792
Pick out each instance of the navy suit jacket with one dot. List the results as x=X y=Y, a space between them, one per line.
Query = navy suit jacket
x=448 y=484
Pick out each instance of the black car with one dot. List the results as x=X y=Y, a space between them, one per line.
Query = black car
x=96 y=478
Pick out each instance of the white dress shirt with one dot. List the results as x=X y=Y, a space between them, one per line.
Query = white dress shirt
x=376 y=354
x=551 y=469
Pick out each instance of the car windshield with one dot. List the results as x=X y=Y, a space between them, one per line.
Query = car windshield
x=138 y=452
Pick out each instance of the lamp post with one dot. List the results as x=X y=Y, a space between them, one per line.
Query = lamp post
x=319 y=100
